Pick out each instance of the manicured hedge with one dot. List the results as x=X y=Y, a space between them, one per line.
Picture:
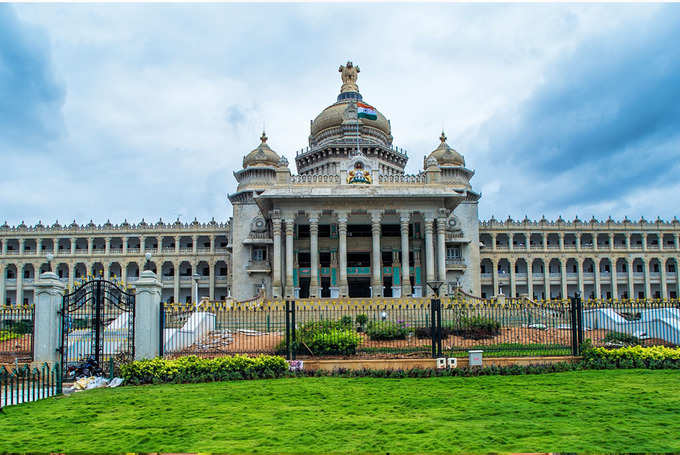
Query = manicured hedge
x=654 y=357
x=196 y=369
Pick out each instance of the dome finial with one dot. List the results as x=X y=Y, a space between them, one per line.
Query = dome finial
x=442 y=137
x=349 y=74
x=264 y=137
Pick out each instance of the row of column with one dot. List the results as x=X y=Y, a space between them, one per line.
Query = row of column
x=527 y=246
x=596 y=277
x=107 y=247
x=287 y=289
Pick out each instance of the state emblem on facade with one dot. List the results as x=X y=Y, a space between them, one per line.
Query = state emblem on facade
x=359 y=175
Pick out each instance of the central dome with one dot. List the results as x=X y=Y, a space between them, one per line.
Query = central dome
x=345 y=108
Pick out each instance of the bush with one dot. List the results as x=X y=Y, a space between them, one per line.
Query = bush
x=324 y=337
x=426 y=332
x=380 y=331
x=20 y=327
x=195 y=369
x=476 y=327
x=621 y=338
x=361 y=319
x=6 y=335
x=654 y=357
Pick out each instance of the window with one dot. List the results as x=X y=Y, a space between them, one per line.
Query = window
x=453 y=252
x=259 y=254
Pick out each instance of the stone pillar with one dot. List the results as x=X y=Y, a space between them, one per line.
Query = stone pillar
x=662 y=271
x=276 y=260
x=376 y=258
x=627 y=240
x=511 y=241
x=20 y=284
x=528 y=240
x=598 y=291
x=578 y=243
x=342 y=254
x=175 y=293
x=38 y=246
x=177 y=242
x=631 y=282
x=290 y=286
x=580 y=285
x=73 y=245
x=493 y=240
x=194 y=244
x=49 y=292
x=211 y=279
x=494 y=265
x=142 y=245
x=615 y=285
x=405 y=266
x=644 y=241
x=90 y=245
x=429 y=253
x=546 y=278
x=648 y=283
x=21 y=246
x=441 y=249
x=147 y=320
x=595 y=236
x=314 y=255
x=513 y=280
x=212 y=244
x=676 y=241
x=71 y=274
x=4 y=247
x=611 y=241
x=124 y=241
x=563 y=270
x=545 y=241
x=561 y=235
x=3 y=276
x=530 y=278
x=107 y=249
x=106 y=266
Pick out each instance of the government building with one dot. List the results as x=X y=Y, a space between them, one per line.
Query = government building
x=351 y=223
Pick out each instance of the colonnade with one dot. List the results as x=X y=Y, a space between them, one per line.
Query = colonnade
x=286 y=222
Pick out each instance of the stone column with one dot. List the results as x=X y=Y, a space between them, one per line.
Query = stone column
x=106 y=266
x=441 y=249
x=147 y=310
x=644 y=241
x=513 y=280
x=142 y=245
x=124 y=240
x=194 y=245
x=276 y=260
x=429 y=253
x=528 y=240
x=314 y=255
x=493 y=240
x=662 y=271
x=107 y=249
x=290 y=286
x=4 y=247
x=494 y=265
x=627 y=235
x=530 y=278
x=595 y=239
x=90 y=245
x=177 y=242
x=615 y=285
x=611 y=241
x=648 y=283
x=676 y=241
x=212 y=244
x=211 y=279
x=545 y=241
x=49 y=291
x=73 y=245
x=563 y=271
x=21 y=246
x=175 y=294
x=342 y=254
x=561 y=235
x=598 y=291
x=38 y=246
x=511 y=241
x=3 y=276
x=71 y=273
x=631 y=282
x=20 y=284
x=405 y=275
x=580 y=285
x=376 y=258
x=546 y=278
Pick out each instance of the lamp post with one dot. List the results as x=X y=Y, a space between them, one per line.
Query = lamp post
x=436 y=315
x=147 y=264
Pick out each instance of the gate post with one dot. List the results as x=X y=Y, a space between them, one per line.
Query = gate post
x=49 y=295
x=574 y=326
x=147 y=319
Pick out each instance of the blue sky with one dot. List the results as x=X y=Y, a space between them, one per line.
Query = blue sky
x=129 y=111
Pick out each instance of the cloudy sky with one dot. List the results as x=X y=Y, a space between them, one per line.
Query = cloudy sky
x=126 y=111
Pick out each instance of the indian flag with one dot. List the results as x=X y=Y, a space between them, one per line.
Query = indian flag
x=366 y=111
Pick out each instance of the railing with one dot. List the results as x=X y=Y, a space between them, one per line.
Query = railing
x=16 y=333
x=314 y=178
x=402 y=179
x=24 y=384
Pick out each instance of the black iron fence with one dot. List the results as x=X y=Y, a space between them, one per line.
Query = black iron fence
x=24 y=384
x=398 y=328
x=16 y=333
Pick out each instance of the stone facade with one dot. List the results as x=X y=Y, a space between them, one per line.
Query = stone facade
x=351 y=223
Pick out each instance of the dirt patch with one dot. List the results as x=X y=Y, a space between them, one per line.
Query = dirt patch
x=16 y=348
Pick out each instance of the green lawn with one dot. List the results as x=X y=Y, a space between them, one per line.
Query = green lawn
x=594 y=411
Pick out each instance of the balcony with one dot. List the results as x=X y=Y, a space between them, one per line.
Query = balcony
x=133 y=250
x=455 y=264
x=456 y=237
x=258 y=267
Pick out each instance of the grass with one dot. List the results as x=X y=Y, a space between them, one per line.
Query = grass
x=585 y=411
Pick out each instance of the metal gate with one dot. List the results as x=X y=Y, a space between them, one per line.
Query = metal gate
x=97 y=323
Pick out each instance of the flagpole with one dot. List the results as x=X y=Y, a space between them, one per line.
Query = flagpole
x=358 y=151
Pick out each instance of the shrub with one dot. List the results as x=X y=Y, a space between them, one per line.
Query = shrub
x=361 y=319
x=343 y=342
x=426 y=332
x=20 y=327
x=6 y=335
x=380 y=331
x=345 y=322
x=621 y=338
x=632 y=357
x=476 y=327
x=195 y=369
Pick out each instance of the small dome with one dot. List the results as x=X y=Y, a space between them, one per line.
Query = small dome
x=445 y=155
x=262 y=155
